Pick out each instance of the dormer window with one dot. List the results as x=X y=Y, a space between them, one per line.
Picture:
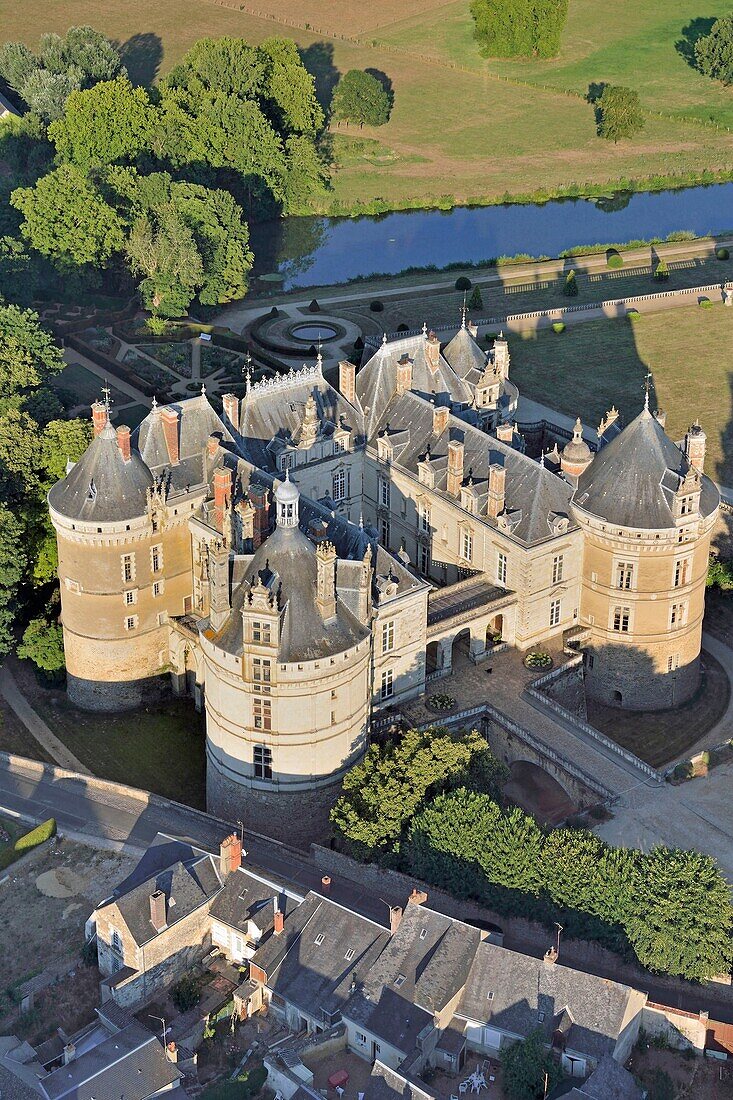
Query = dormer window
x=384 y=450
x=319 y=939
x=399 y=980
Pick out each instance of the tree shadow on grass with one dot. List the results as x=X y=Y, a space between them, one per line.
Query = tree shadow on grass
x=691 y=33
x=141 y=55
x=318 y=60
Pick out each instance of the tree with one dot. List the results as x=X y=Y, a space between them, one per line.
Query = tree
x=66 y=219
x=619 y=113
x=661 y=272
x=43 y=644
x=82 y=49
x=476 y=301
x=714 y=52
x=107 y=123
x=186 y=993
x=290 y=88
x=17 y=63
x=162 y=249
x=13 y=562
x=46 y=92
x=681 y=919
x=63 y=441
x=527 y=1067
x=360 y=97
x=519 y=28
x=570 y=286
x=28 y=353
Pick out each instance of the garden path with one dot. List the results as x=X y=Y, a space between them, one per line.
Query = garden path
x=35 y=724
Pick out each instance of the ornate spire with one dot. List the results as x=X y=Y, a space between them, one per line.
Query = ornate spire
x=463 y=311
x=203 y=389
x=647 y=387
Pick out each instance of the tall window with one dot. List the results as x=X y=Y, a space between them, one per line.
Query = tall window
x=115 y=942
x=386 y=690
x=339 y=445
x=467 y=546
x=554 y=612
x=424 y=560
x=681 y=572
x=156 y=558
x=261 y=632
x=384 y=495
x=501 y=568
x=130 y=622
x=130 y=597
x=262 y=709
x=624 y=574
x=339 y=485
x=678 y=614
x=261 y=674
x=673 y=662
x=621 y=619
x=686 y=506
x=384 y=532
x=263 y=762
x=425 y=517
x=557 y=568
x=128 y=567
x=388 y=636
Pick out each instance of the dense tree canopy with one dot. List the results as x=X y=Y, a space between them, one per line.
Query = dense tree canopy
x=43 y=644
x=529 y=1072
x=28 y=354
x=360 y=97
x=714 y=52
x=619 y=113
x=519 y=28
x=107 y=123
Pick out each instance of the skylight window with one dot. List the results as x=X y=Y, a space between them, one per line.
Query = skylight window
x=423 y=933
x=400 y=980
x=490 y=995
x=349 y=954
x=319 y=939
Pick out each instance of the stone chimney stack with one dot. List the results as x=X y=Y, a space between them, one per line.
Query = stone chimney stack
x=501 y=356
x=505 y=432
x=222 y=495
x=497 y=490
x=69 y=1053
x=440 y=418
x=695 y=443
x=417 y=897
x=326 y=581
x=432 y=351
x=99 y=417
x=230 y=403
x=171 y=1052
x=230 y=855
x=661 y=417
x=157 y=911
x=404 y=374
x=455 y=467
x=395 y=918
x=169 y=417
x=260 y=501
x=347 y=380
x=218 y=585
x=123 y=441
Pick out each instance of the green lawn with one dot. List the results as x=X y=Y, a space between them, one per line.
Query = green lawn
x=595 y=364
x=85 y=386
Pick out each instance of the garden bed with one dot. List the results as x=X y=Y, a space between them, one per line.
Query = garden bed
x=175 y=356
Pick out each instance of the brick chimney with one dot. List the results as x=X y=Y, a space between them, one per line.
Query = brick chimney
x=404 y=374
x=222 y=494
x=212 y=445
x=123 y=441
x=230 y=401
x=440 y=418
x=230 y=855
x=347 y=380
x=326 y=579
x=69 y=1053
x=505 y=432
x=171 y=1052
x=455 y=467
x=157 y=911
x=259 y=499
x=432 y=351
x=395 y=918
x=99 y=417
x=497 y=490
x=169 y=417
x=417 y=897
x=279 y=921
x=695 y=442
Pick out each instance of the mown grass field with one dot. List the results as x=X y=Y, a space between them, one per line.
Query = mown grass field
x=463 y=134
x=590 y=366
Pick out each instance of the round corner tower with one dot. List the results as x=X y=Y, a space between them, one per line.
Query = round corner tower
x=647 y=513
x=110 y=573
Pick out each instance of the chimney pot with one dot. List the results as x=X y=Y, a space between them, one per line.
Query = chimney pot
x=440 y=418
x=505 y=432
x=497 y=490
x=69 y=1053
x=347 y=380
x=222 y=494
x=172 y=1052
x=230 y=403
x=326 y=884
x=230 y=855
x=123 y=441
x=417 y=897
x=157 y=910
x=99 y=417
x=455 y=467
x=395 y=917
x=404 y=374
x=551 y=956
x=695 y=443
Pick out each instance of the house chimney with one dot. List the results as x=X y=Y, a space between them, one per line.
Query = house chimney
x=230 y=402
x=157 y=910
x=326 y=580
x=404 y=374
x=417 y=897
x=222 y=495
x=440 y=418
x=171 y=1052
x=497 y=490
x=69 y=1053
x=259 y=500
x=170 y=432
x=432 y=351
x=230 y=855
x=473 y=329
x=501 y=356
x=695 y=442
x=326 y=884
x=219 y=603
x=212 y=445
x=123 y=441
x=279 y=922
x=455 y=467
x=551 y=956
x=505 y=432
x=99 y=417
x=347 y=380
x=395 y=918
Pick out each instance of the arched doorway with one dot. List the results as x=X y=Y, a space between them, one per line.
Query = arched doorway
x=461 y=647
x=495 y=631
x=433 y=660
x=538 y=792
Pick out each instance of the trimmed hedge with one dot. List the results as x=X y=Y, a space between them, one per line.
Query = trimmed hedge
x=27 y=842
x=705 y=303
x=558 y=326
x=722 y=254
x=463 y=283
x=615 y=260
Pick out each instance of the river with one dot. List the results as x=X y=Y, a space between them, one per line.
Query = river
x=314 y=251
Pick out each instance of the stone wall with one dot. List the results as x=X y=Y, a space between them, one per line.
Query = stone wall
x=568 y=689
x=682 y=1030
x=111 y=696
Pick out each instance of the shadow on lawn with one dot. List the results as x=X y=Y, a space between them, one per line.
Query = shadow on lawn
x=691 y=34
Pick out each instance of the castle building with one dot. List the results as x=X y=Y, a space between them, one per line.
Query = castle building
x=319 y=553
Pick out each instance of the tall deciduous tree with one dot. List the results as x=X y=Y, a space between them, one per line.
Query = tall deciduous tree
x=107 y=123
x=714 y=52
x=13 y=564
x=619 y=113
x=519 y=28
x=360 y=97
x=528 y=1070
x=28 y=354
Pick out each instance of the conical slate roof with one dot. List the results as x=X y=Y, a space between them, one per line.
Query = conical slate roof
x=102 y=487
x=465 y=356
x=632 y=480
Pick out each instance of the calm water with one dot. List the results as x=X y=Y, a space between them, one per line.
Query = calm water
x=321 y=251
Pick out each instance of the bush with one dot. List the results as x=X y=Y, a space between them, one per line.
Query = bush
x=633 y=315
x=186 y=993
x=43 y=644
x=619 y=113
x=314 y=306
x=361 y=97
x=463 y=283
x=402 y=328
x=722 y=254
x=661 y=272
x=558 y=326
x=248 y=1084
x=570 y=286
x=89 y=954
x=714 y=51
x=476 y=301
x=720 y=574
x=614 y=259
x=376 y=306
x=705 y=303
x=39 y=835
x=156 y=326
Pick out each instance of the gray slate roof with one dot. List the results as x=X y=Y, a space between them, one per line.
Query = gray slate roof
x=609 y=1081
x=245 y=898
x=465 y=356
x=524 y=987
x=631 y=480
x=130 y=1064
x=317 y=977
x=196 y=422
x=387 y=1084
x=189 y=885
x=101 y=487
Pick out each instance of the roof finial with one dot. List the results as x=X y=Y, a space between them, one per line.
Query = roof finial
x=424 y=329
x=361 y=520
x=107 y=394
x=203 y=389
x=647 y=386
x=384 y=338
x=463 y=311
x=154 y=403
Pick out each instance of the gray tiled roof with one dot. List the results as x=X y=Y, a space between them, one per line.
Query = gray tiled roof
x=387 y=1084
x=609 y=1081
x=631 y=481
x=188 y=885
x=511 y=992
x=465 y=356
x=318 y=976
x=101 y=487
x=246 y=898
x=130 y=1064
x=13 y=1087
